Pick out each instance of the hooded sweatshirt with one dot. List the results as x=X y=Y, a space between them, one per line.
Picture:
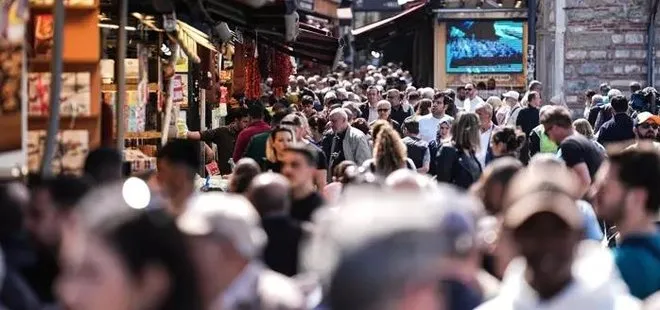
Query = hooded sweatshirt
x=596 y=285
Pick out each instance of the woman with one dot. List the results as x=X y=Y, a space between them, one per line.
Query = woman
x=506 y=142
x=442 y=136
x=317 y=126
x=376 y=127
x=117 y=257
x=456 y=162
x=390 y=154
x=279 y=139
x=583 y=127
x=424 y=107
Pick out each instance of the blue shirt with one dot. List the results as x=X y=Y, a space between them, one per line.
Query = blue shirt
x=591 y=226
x=638 y=259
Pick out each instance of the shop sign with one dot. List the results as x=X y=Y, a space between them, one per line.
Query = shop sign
x=376 y=5
x=307 y=5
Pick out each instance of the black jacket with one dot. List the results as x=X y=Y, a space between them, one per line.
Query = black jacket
x=456 y=167
x=617 y=129
x=284 y=236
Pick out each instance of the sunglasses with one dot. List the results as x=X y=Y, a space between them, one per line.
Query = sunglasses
x=469 y=89
x=383 y=110
x=647 y=126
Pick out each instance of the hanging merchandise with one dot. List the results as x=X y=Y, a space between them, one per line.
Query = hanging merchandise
x=280 y=70
x=252 y=76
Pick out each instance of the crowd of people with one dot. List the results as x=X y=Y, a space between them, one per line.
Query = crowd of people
x=355 y=192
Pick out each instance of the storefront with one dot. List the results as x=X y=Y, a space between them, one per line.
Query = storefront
x=486 y=47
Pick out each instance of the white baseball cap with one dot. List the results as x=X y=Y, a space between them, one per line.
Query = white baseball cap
x=511 y=94
x=226 y=217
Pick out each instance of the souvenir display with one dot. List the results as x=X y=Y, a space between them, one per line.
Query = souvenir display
x=138 y=160
x=134 y=112
x=70 y=152
x=13 y=16
x=43 y=35
x=74 y=99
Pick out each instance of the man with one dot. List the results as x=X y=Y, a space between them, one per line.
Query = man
x=418 y=149
x=298 y=125
x=471 y=100
x=299 y=166
x=461 y=94
x=177 y=164
x=606 y=113
x=428 y=124
x=554 y=269
x=627 y=196
x=580 y=154
x=344 y=142
x=528 y=117
x=104 y=165
x=508 y=113
x=646 y=129
x=486 y=127
x=538 y=141
x=597 y=104
x=307 y=104
x=257 y=126
x=223 y=230
x=620 y=127
x=413 y=98
x=50 y=210
x=384 y=112
x=245 y=171
x=224 y=137
x=400 y=110
x=533 y=86
x=269 y=193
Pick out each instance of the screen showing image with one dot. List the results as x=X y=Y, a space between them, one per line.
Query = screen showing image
x=484 y=46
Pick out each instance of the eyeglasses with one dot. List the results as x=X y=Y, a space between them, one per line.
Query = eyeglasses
x=649 y=126
x=383 y=110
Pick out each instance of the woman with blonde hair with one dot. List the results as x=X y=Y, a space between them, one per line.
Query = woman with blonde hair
x=583 y=127
x=390 y=154
x=278 y=140
x=496 y=103
x=456 y=162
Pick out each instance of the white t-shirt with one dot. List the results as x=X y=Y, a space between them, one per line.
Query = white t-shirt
x=428 y=126
x=469 y=105
x=485 y=142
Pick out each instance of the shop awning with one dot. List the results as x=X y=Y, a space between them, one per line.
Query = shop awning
x=387 y=29
x=187 y=36
x=312 y=44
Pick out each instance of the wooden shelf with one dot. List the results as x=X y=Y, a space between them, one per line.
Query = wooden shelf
x=153 y=87
x=48 y=8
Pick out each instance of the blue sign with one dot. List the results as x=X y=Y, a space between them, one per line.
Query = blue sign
x=376 y=5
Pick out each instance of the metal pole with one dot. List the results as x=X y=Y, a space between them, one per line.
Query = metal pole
x=120 y=76
x=55 y=88
x=531 y=40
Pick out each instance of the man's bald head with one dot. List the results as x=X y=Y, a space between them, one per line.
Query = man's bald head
x=270 y=193
x=246 y=169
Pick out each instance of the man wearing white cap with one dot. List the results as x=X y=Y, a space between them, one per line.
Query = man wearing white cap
x=226 y=239
x=508 y=113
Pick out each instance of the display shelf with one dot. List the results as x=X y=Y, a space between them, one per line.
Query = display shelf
x=10 y=124
x=143 y=135
x=153 y=87
x=48 y=8
x=90 y=123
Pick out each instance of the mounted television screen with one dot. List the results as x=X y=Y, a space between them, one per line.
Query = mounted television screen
x=494 y=46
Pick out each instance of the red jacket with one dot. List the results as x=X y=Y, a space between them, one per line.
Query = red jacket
x=246 y=135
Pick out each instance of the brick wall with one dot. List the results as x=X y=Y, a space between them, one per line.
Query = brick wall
x=605 y=42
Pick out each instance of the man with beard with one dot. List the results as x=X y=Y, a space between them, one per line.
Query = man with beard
x=646 y=129
x=626 y=195
x=224 y=137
